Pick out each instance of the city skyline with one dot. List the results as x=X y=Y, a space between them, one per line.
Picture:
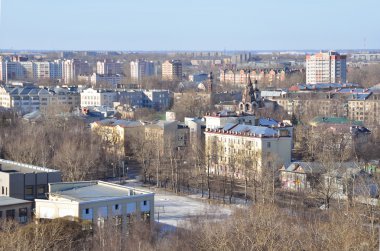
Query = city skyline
x=195 y=25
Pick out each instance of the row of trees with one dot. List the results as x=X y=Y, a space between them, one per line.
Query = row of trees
x=58 y=143
x=262 y=227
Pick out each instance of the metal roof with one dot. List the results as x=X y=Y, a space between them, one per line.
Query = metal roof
x=94 y=191
x=9 y=201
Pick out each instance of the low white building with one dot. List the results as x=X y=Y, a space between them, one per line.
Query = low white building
x=92 y=97
x=96 y=201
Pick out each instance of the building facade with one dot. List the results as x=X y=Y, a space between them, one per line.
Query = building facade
x=26 y=182
x=141 y=69
x=96 y=202
x=92 y=97
x=15 y=209
x=172 y=70
x=329 y=67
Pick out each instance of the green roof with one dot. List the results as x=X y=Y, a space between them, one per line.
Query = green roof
x=335 y=120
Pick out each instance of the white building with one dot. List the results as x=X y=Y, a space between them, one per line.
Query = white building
x=141 y=69
x=96 y=201
x=24 y=99
x=92 y=97
x=247 y=150
x=114 y=79
x=68 y=71
x=107 y=67
x=329 y=67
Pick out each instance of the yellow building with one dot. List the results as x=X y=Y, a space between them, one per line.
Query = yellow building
x=117 y=133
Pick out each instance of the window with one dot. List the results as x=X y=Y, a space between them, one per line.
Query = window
x=41 y=190
x=10 y=214
x=2 y=190
x=1 y=214
x=145 y=202
x=23 y=214
x=29 y=191
x=87 y=210
x=117 y=207
x=268 y=144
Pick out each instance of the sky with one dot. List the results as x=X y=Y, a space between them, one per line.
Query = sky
x=151 y=25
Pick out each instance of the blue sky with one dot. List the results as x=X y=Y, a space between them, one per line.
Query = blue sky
x=189 y=24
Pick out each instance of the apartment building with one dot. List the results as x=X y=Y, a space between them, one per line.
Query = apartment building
x=113 y=80
x=141 y=69
x=167 y=135
x=31 y=98
x=172 y=70
x=92 y=97
x=326 y=67
x=23 y=99
x=60 y=100
x=15 y=209
x=41 y=70
x=157 y=99
x=56 y=70
x=96 y=202
x=241 y=77
x=109 y=67
x=26 y=182
x=2 y=69
x=364 y=107
x=117 y=134
x=244 y=150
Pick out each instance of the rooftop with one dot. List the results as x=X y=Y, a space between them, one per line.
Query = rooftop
x=246 y=130
x=8 y=201
x=119 y=122
x=90 y=191
x=334 y=120
x=9 y=166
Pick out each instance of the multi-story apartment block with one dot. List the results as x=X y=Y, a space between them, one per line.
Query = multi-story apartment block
x=364 y=107
x=157 y=99
x=167 y=135
x=246 y=150
x=172 y=70
x=56 y=70
x=2 y=69
x=31 y=98
x=117 y=134
x=114 y=80
x=92 y=97
x=327 y=67
x=60 y=100
x=241 y=77
x=107 y=67
x=23 y=99
x=141 y=69
x=95 y=202
x=24 y=181
x=41 y=70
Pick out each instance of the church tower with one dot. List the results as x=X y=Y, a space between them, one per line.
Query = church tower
x=251 y=99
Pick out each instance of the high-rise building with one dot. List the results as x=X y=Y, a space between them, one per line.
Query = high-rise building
x=141 y=69
x=172 y=70
x=326 y=67
x=41 y=70
x=107 y=67
x=56 y=70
